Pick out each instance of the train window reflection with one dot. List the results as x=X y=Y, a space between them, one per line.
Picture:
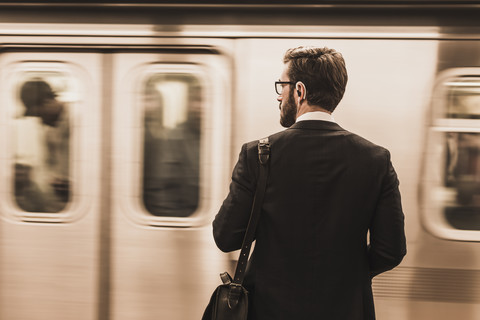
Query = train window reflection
x=172 y=121
x=463 y=98
x=42 y=180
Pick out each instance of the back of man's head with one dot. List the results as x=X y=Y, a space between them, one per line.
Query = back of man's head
x=322 y=71
x=33 y=94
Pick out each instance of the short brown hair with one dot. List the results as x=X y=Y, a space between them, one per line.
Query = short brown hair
x=323 y=72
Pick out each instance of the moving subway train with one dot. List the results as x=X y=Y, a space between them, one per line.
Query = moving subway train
x=107 y=214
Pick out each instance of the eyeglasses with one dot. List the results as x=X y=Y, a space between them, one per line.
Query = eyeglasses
x=279 y=86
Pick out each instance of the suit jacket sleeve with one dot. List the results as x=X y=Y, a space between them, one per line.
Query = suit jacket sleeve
x=387 y=235
x=231 y=222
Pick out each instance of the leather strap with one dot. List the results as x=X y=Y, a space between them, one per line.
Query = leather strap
x=263 y=158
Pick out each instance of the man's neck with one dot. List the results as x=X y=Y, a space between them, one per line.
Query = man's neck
x=305 y=107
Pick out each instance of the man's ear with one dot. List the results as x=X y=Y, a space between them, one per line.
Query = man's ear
x=301 y=88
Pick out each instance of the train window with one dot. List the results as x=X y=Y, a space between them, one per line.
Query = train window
x=42 y=144
x=463 y=98
x=171 y=153
x=452 y=201
x=171 y=133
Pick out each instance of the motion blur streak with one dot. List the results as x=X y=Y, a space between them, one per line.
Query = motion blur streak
x=108 y=194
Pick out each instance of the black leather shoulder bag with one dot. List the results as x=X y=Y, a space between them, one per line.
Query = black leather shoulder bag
x=229 y=301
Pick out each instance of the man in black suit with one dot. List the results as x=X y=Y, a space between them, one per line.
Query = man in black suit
x=326 y=190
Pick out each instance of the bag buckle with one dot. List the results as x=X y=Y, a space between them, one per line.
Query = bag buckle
x=226 y=278
x=234 y=294
x=234 y=291
x=263 y=151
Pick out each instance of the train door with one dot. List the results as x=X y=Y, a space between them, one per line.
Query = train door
x=450 y=201
x=49 y=170
x=170 y=150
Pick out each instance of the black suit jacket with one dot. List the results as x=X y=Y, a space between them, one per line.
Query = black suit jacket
x=327 y=188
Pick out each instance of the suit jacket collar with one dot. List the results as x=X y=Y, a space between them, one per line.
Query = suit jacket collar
x=317 y=125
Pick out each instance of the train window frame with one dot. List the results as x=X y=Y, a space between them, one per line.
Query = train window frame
x=432 y=190
x=77 y=206
x=135 y=210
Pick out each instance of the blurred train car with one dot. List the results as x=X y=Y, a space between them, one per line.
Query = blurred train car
x=160 y=98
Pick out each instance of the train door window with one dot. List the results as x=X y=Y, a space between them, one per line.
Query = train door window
x=171 y=135
x=42 y=147
x=451 y=204
x=171 y=154
x=41 y=98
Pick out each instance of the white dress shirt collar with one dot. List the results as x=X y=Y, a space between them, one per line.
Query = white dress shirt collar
x=316 y=115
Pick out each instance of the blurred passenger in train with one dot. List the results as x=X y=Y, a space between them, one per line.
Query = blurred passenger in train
x=326 y=189
x=40 y=101
x=28 y=195
x=171 y=159
x=463 y=167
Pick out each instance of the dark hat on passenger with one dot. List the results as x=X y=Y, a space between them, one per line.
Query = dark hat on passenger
x=33 y=94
